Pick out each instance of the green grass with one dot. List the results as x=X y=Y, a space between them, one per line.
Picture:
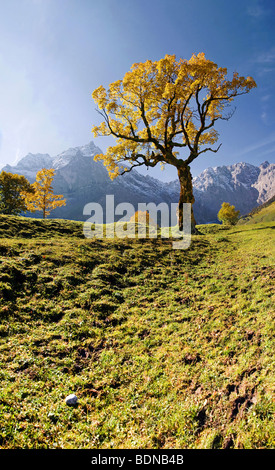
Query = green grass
x=164 y=348
x=262 y=214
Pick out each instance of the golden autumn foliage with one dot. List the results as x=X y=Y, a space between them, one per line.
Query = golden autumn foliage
x=143 y=217
x=43 y=198
x=162 y=107
x=228 y=215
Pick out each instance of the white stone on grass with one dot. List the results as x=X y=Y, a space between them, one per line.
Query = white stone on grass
x=71 y=399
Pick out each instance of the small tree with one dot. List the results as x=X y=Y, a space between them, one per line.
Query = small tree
x=228 y=215
x=43 y=198
x=163 y=107
x=142 y=218
x=11 y=188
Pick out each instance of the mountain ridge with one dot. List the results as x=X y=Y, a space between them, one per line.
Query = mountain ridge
x=81 y=180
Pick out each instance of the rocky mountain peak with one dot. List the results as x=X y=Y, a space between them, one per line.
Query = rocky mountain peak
x=265 y=182
x=69 y=156
x=264 y=165
x=34 y=161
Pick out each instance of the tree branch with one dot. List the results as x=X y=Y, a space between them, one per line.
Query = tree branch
x=120 y=136
x=210 y=150
x=146 y=161
x=150 y=138
x=182 y=123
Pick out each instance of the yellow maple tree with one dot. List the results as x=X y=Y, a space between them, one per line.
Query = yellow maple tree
x=142 y=217
x=162 y=107
x=43 y=199
x=228 y=215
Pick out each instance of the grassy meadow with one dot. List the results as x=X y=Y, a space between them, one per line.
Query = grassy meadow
x=164 y=348
x=263 y=213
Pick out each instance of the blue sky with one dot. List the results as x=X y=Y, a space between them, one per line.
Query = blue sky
x=54 y=53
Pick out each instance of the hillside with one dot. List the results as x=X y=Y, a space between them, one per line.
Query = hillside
x=263 y=213
x=163 y=348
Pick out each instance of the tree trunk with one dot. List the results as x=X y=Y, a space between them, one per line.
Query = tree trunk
x=186 y=195
x=44 y=206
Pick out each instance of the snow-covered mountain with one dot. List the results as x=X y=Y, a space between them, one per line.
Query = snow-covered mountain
x=30 y=165
x=265 y=182
x=81 y=180
x=241 y=184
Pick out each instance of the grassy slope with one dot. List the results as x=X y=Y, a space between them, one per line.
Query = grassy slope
x=263 y=213
x=164 y=348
